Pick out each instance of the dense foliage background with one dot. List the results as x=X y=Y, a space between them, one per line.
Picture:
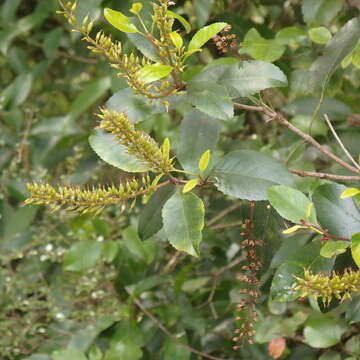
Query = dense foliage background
x=102 y=287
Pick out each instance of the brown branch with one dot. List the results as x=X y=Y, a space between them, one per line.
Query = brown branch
x=169 y=334
x=272 y=115
x=321 y=175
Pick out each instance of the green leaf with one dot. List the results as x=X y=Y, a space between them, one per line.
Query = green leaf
x=306 y=257
x=343 y=42
x=261 y=49
x=134 y=106
x=210 y=98
x=334 y=108
x=320 y=35
x=144 y=45
x=349 y=192
x=68 y=354
x=196 y=284
x=352 y=346
x=150 y=73
x=173 y=351
x=135 y=245
x=136 y=8
x=322 y=330
x=330 y=355
x=291 y=35
x=203 y=10
x=89 y=95
x=124 y=350
x=340 y=216
x=198 y=133
x=247 y=174
x=119 y=21
x=291 y=204
x=334 y=248
x=203 y=35
x=318 y=126
x=355 y=248
x=204 y=160
x=108 y=149
x=191 y=184
x=52 y=42
x=182 y=20
x=109 y=251
x=82 y=255
x=320 y=11
x=176 y=39
x=150 y=221
x=183 y=217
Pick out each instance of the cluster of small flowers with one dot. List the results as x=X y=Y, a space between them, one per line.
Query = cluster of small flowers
x=224 y=42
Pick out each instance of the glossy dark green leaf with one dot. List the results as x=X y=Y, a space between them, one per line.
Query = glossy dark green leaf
x=210 y=98
x=291 y=204
x=82 y=255
x=323 y=330
x=183 y=218
x=247 y=174
x=339 y=216
x=108 y=149
x=150 y=221
x=198 y=133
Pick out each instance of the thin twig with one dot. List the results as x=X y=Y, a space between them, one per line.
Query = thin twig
x=226 y=225
x=272 y=115
x=169 y=334
x=223 y=213
x=340 y=142
x=321 y=175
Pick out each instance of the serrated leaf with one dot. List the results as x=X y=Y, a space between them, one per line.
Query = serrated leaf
x=203 y=35
x=191 y=184
x=291 y=204
x=320 y=35
x=182 y=20
x=204 y=160
x=247 y=174
x=176 y=39
x=355 y=248
x=136 y=8
x=349 y=192
x=150 y=73
x=108 y=149
x=119 y=21
x=183 y=217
